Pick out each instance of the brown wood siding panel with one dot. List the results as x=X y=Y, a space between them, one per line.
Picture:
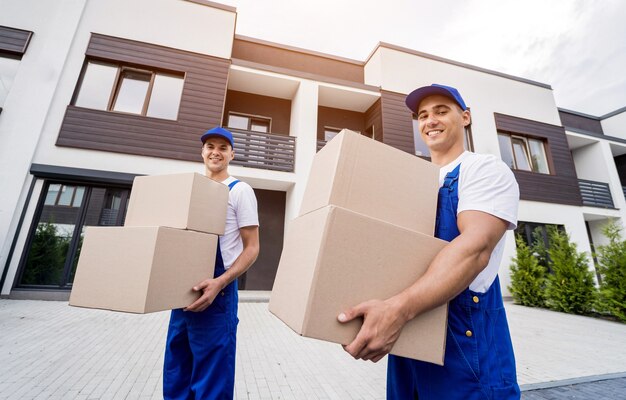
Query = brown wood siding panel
x=397 y=122
x=580 y=122
x=336 y=118
x=14 y=41
x=373 y=117
x=200 y=108
x=561 y=186
x=298 y=61
x=279 y=110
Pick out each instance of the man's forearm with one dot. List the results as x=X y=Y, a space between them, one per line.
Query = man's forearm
x=239 y=267
x=451 y=272
x=455 y=267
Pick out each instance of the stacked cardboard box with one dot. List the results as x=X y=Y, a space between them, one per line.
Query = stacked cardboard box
x=167 y=245
x=365 y=231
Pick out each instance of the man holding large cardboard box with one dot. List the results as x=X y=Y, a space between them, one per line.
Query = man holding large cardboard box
x=200 y=348
x=478 y=201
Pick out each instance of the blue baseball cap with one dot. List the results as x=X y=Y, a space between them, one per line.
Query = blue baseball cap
x=221 y=132
x=414 y=98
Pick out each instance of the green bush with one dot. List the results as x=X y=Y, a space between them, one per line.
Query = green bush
x=612 y=269
x=570 y=286
x=527 y=276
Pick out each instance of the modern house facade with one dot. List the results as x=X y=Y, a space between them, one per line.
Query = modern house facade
x=93 y=97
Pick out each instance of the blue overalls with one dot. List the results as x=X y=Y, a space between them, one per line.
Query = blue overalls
x=200 y=347
x=479 y=361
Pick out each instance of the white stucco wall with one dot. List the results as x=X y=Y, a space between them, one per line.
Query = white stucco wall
x=29 y=101
x=588 y=163
x=303 y=126
x=179 y=24
x=615 y=125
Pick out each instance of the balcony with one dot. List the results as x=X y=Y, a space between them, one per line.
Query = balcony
x=595 y=194
x=264 y=150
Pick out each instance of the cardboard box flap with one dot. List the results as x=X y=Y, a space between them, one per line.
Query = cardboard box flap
x=366 y=176
x=182 y=201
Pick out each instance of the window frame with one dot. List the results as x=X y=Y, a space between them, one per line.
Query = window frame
x=527 y=151
x=115 y=87
x=338 y=130
x=79 y=224
x=60 y=193
x=119 y=79
x=251 y=117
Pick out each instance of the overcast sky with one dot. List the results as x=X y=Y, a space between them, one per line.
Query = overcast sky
x=576 y=46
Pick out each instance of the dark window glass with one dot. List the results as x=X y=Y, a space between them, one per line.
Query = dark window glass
x=56 y=238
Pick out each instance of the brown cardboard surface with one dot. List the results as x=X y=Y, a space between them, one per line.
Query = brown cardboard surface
x=374 y=179
x=141 y=269
x=184 y=201
x=334 y=258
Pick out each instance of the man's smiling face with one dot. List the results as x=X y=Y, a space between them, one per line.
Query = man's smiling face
x=441 y=123
x=217 y=153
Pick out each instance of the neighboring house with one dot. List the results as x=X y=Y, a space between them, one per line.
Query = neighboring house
x=95 y=93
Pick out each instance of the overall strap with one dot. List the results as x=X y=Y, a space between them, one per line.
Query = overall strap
x=451 y=178
x=447 y=203
x=232 y=184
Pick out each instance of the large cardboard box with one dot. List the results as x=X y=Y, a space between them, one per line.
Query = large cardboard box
x=334 y=258
x=184 y=201
x=142 y=269
x=369 y=177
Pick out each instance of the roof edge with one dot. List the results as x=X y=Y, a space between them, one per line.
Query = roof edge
x=579 y=113
x=298 y=49
x=456 y=63
x=214 y=5
x=613 y=113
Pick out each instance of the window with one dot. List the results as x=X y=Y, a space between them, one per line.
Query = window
x=118 y=88
x=64 y=195
x=522 y=153
x=537 y=234
x=249 y=123
x=56 y=236
x=330 y=133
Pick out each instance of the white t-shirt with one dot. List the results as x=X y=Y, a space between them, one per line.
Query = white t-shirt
x=486 y=184
x=242 y=212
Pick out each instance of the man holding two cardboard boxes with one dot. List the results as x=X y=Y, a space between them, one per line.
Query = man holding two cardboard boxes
x=200 y=349
x=477 y=203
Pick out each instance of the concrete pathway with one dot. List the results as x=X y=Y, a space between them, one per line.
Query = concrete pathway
x=49 y=350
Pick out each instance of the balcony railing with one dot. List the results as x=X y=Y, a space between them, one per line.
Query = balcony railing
x=264 y=150
x=595 y=194
x=624 y=190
